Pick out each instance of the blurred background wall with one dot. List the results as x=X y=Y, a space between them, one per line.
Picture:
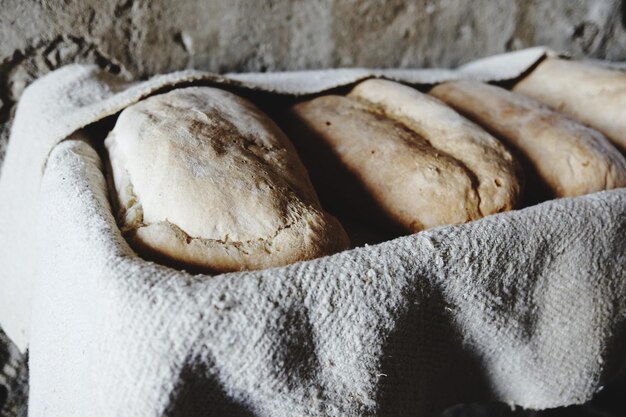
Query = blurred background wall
x=138 y=38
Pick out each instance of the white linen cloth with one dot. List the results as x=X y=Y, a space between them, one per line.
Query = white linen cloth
x=526 y=307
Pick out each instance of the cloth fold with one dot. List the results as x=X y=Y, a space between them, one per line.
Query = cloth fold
x=526 y=307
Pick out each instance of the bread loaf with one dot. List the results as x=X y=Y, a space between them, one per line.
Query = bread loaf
x=204 y=180
x=569 y=158
x=593 y=95
x=416 y=160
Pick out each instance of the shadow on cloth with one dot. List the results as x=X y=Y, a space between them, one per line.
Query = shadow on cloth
x=201 y=395
x=426 y=368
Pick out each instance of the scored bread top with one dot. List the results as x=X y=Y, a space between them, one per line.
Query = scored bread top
x=379 y=135
x=205 y=178
x=496 y=175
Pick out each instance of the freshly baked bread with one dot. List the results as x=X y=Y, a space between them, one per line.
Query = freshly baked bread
x=411 y=157
x=590 y=94
x=570 y=159
x=204 y=180
x=495 y=174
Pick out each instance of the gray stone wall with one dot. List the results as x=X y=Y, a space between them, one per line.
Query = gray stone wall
x=138 y=38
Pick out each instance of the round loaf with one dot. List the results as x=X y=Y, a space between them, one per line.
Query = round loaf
x=205 y=181
x=569 y=158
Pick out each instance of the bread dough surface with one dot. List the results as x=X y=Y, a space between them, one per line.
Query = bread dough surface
x=205 y=178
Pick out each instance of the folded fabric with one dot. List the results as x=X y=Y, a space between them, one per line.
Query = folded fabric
x=526 y=307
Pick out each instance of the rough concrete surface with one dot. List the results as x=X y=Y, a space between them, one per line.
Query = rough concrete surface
x=138 y=38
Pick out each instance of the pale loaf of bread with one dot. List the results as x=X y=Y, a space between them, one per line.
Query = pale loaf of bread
x=204 y=180
x=495 y=175
x=569 y=158
x=593 y=95
x=418 y=161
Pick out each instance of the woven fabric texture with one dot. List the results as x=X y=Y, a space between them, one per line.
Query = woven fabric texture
x=526 y=307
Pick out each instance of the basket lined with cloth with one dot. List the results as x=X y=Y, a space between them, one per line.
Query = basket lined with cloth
x=526 y=307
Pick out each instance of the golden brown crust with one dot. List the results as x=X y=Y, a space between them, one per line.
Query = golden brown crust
x=590 y=94
x=495 y=173
x=411 y=182
x=570 y=159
